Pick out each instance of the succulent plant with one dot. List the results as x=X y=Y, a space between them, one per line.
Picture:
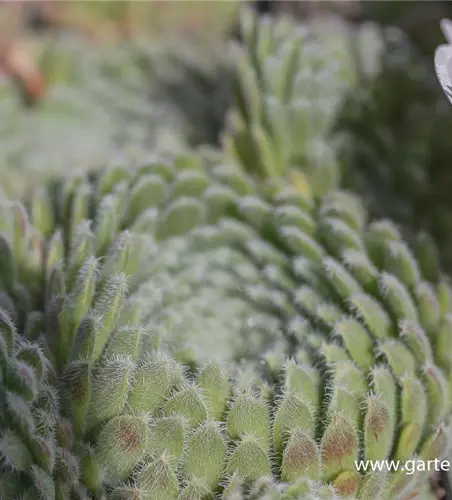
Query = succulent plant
x=98 y=96
x=372 y=122
x=379 y=129
x=292 y=82
x=173 y=330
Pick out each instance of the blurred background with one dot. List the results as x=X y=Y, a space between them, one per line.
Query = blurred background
x=81 y=80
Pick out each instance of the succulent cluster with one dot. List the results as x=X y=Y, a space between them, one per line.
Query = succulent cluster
x=292 y=81
x=374 y=120
x=131 y=297
x=106 y=98
x=226 y=326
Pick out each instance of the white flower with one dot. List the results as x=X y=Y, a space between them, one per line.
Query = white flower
x=443 y=60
